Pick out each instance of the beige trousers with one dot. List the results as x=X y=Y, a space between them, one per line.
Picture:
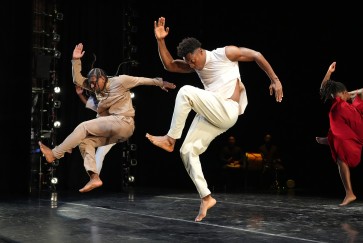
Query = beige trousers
x=94 y=133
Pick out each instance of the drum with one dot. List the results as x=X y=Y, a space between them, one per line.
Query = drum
x=254 y=161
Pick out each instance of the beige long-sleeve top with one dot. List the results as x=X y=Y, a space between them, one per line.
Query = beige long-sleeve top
x=115 y=99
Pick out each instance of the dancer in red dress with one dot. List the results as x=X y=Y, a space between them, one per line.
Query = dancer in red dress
x=345 y=136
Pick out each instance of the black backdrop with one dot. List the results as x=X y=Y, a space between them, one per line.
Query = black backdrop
x=299 y=41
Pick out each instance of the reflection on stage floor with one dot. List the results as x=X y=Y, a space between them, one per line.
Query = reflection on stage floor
x=154 y=215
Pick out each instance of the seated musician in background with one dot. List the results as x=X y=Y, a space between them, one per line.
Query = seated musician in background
x=272 y=167
x=231 y=154
x=270 y=153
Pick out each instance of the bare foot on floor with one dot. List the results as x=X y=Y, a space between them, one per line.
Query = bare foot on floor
x=347 y=200
x=47 y=152
x=165 y=142
x=207 y=203
x=92 y=184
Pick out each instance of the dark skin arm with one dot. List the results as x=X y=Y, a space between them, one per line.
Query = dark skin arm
x=79 y=91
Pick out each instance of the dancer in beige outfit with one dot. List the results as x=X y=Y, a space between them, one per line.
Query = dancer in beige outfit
x=115 y=115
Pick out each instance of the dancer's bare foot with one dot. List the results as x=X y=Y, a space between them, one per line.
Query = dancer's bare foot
x=347 y=200
x=165 y=142
x=47 y=153
x=322 y=140
x=93 y=183
x=207 y=203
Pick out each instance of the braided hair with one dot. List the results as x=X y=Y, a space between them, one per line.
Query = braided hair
x=96 y=72
x=329 y=90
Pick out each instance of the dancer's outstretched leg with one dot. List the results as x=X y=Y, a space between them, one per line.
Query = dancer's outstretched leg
x=206 y=203
x=93 y=183
x=47 y=152
x=165 y=142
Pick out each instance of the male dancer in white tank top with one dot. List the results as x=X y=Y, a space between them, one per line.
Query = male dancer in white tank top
x=217 y=106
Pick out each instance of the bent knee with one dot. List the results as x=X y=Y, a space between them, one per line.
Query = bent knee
x=84 y=147
x=186 y=89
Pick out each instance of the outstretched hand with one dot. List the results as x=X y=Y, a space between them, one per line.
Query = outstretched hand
x=167 y=85
x=276 y=88
x=159 y=29
x=78 y=51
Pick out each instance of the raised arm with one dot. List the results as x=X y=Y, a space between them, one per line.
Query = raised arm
x=243 y=54
x=331 y=69
x=171 y=65
x=78 y=53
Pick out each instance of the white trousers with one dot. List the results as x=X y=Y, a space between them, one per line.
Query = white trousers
x=215 y=115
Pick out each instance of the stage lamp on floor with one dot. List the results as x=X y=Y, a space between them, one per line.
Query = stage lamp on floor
x=54 y=200
x=290 y=183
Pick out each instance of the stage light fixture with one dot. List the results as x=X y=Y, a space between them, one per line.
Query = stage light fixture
x=57 y=89
x=131 y=178
x=133 y=162
x=57 y=124
x=54 y=200
x=133 y=147
x=57 y=104
x=56 y=37
x=55 y=162
x=133 y=49
x=57 y=54
x=54 y=180
x=54 y=195
x=59 y=16
x=126 y=170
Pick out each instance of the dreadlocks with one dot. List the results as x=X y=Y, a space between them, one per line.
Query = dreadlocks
x=330 y=89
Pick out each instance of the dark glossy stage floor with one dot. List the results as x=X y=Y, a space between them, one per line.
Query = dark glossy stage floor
x=152 y=215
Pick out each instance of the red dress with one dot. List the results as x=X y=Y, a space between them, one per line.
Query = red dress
x=345 y=135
